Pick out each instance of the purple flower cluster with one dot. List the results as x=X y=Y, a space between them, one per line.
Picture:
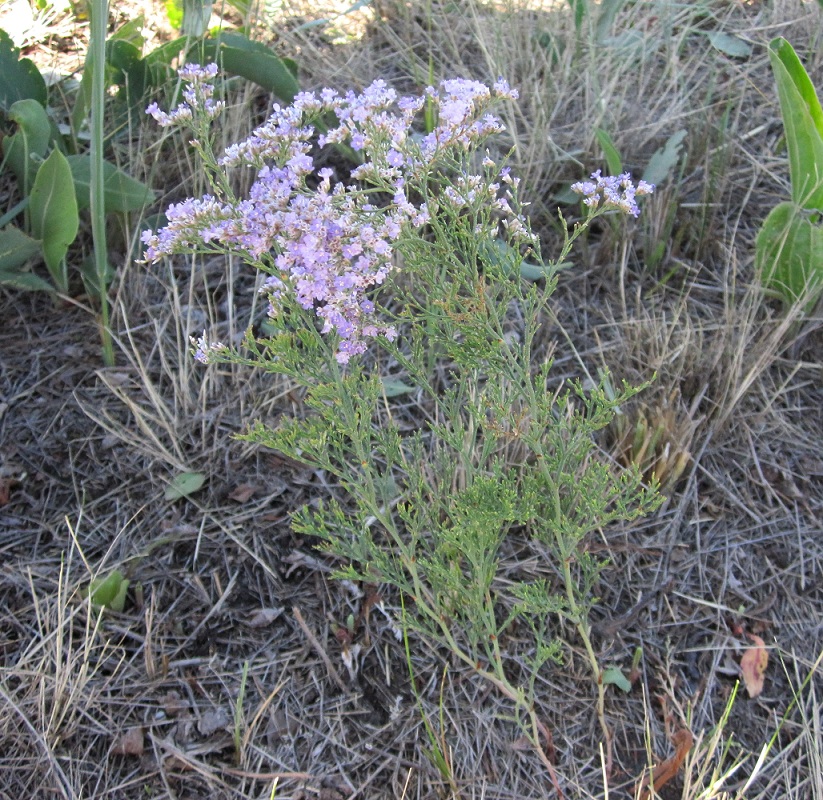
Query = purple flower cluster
x=205 y=349
x=617 y=191
x=328 y=245
x=198 y=95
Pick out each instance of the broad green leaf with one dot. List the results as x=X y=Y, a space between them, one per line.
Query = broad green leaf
x=184 y=484
x=157 y=71
x=53 y=210
x=196 y=14
x=26 y=281
x=803 y=121
x=613 y=160
x=31 y=138
x=131 y=31
x=16 y=248
x=243 y=7
x=167 y=52
x=122 y=56
x=128 y=70
x=615 y=676
x=664 y=160
x=266 y=70
x=536 y=272
x=503 y=255
x=91 y=280
x=121 y=192
x=729 y=45
x=110 y=592
x=253 y=61
x=326 y=20
x=608 y=11
x=19 y=77
x=580 y=9
x=566 y=196
x=291 y=66
x=393 y=387
x=789 y=253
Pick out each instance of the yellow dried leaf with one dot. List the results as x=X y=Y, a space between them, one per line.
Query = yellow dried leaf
x=753 y=666
x=129 y=744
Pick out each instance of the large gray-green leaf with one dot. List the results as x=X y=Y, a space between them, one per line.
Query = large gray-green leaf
x=19 y=77
x=665 y=159
x=24 y=280
x=30 y=139
x=503 y=255
x=803 y=121
x=121 y=192
x=253 y=61
x=184 y=484
x=789 y=253
x=615 y=676
x=53 y=210
x=16 y=248
x=613 y=159
x=605 y=20
x=110 y=592
x=729 y=45
x=394 y=387
x=196 y=15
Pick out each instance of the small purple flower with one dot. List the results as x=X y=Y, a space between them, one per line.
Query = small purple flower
x=197 y=97
x=330 y=244
x=205 y=351
x=616 y=191
x=194 y=73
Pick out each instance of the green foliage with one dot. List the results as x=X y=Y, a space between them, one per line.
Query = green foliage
x=431 y=513
x=789 y=251
x=15 y=250
x=54 y=188
x=729 y=45
x=254 y=61
x=54 y=218
x=184 y=484
x=30 y=142
x=803 y=120
x=109 y=592
x=610 y=151
x=507 y=462
x=663 y=161
x=789 y=246
x=121 y=192
x=600 y=15
x=190 y=17
x=613 y=676
x=19 y=77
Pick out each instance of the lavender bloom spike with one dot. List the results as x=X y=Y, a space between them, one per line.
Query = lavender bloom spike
x=205 y=350
x=617 y=191
x=328 y=244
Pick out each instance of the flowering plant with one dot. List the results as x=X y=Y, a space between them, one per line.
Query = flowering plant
x=411 y=268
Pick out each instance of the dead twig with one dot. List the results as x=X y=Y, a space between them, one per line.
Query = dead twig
x=319 y=649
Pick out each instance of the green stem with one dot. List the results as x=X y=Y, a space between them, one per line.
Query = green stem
x=97 y=46
x=583 y=629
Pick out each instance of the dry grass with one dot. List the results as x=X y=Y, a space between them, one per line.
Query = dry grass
x=221 y=584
